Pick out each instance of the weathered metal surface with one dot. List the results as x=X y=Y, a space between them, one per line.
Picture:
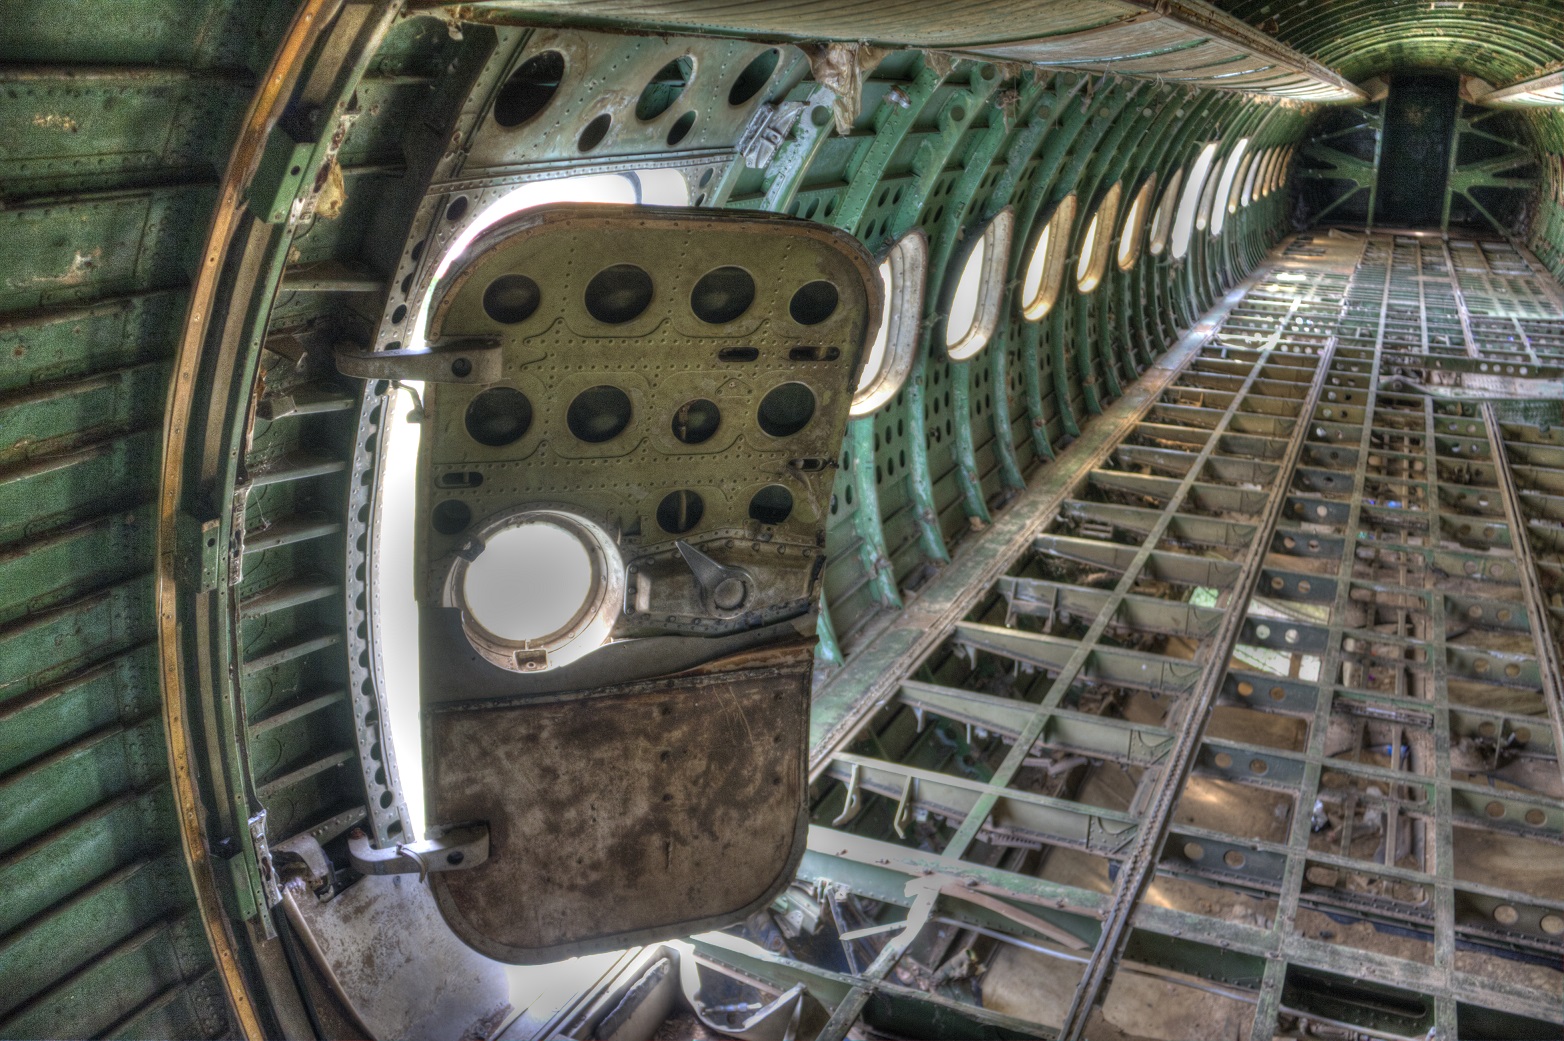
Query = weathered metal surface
x=623 y=814
x=106 y=219
x=1187 y=40
x=381 y=942
x=1535 y=91
x=680 y=411
x=1412 y=684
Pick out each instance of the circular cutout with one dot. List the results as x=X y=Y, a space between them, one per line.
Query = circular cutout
x=1494 y=809
x=598 y=414
x=755 y=76
x=529 y=90
x=680 y=511
x=457 y=210
x=1259 y=767
x=516 y=560
x=771 y=505
x=681 y=128
x=1535 y=817
x=1223 y=760
x=813 y=303
x=1245 y=688
x=594 y=132
x=451 y=517
x=498 y=416
x=786 y=410
x=1234 y=859
x=511 y=299
x=696 y=421
x=664 y=89
x=1504 y=914
x=1194 y=851
x=722 y=295
x=619 y=293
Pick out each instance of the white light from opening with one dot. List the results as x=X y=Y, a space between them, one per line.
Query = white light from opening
x=1083 y=264
x=1045 y=269
x=529 y=582
x=393 y=578
x=393 y=575
x=1132 y=230
x=1255 y=169
x=1184 y=222
x=882 y=336
x=1224 y=187
x=1032 y=283
x=963 y=306
x=661 y=187
x=891 y=354
x=1162 y=220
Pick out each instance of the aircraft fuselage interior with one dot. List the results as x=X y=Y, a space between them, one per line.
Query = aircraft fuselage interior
x=526 y=520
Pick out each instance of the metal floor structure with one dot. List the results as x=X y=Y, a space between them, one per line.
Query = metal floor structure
x=1255 y=694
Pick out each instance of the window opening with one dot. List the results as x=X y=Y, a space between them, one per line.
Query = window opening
x=1236 y=194
x=1132 y=231
x=1224 y=187
x=1162 y=220
x=1094 y=247
x=1255 y=169
x=903 y=276
x=974 y=305
x=1203 y=211
x=1184 y=222
x=1280 y=177
x=1045 y=267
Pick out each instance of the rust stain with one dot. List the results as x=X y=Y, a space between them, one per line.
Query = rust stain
x=55 y=121
x=645 y=807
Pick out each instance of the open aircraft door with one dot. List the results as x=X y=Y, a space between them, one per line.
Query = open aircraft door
x=630 y=436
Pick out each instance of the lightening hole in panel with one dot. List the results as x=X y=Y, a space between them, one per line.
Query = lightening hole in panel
x=511 y=299
x=499 y=416
x=680 y=511
x=530 y=89
x=664 y=89
x=754 y=77
x=722 y=295
x=696 y=421
x=681 y=128
x=599 y=414
x=813 y=303
x=786 y=410
x=593 y=133
x=771 y=505
x=618 y=294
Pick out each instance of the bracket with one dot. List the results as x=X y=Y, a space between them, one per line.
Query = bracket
x=457 y=848
x=465 y=361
